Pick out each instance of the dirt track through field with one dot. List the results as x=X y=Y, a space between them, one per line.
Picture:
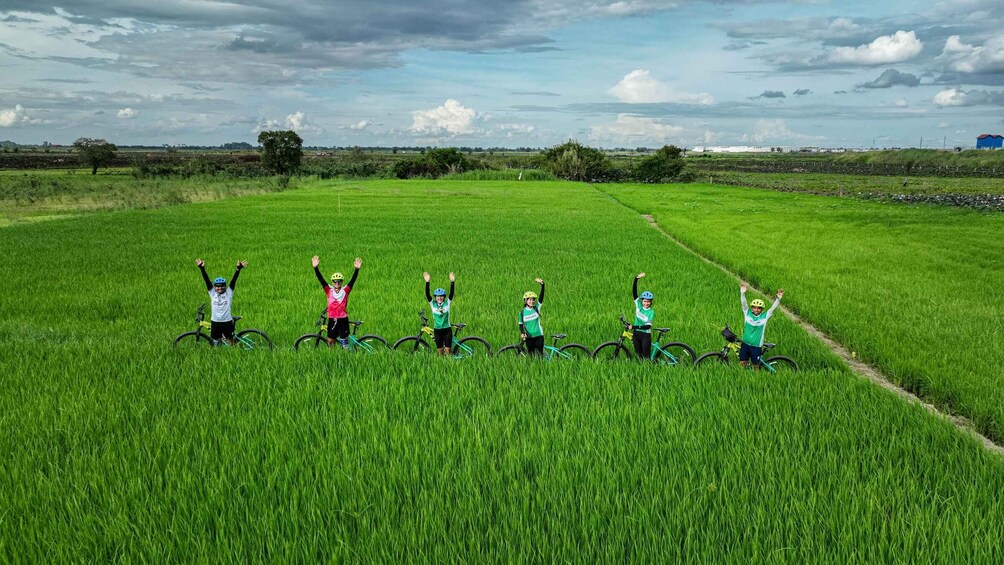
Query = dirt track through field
x=859 y=367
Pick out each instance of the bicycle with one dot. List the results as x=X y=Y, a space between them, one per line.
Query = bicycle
x=250 y=338
x=567 y=351
x=368 y=343
x=774 y=364
x=470 y=346
x=672 y=353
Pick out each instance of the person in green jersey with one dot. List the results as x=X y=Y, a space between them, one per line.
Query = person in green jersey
x=755 y=322
x=530 y=330
x=439 y=302
x=643 y=316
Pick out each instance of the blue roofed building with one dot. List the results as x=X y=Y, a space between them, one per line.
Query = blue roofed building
x=990 y=141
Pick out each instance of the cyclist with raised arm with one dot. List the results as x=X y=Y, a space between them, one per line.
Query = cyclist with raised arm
x=338 y=301
x=755 y=319
x=440 y=303
x=221 y=296
x=530 y=329
x=642 y=324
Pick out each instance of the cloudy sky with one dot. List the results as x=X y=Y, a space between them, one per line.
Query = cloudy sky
x=504 y=72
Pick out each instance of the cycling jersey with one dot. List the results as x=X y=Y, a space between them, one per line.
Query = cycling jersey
x=642 y=316
x=440 y=314
x=220 y=302
x=338 y=302
x=529 y=320
x=754 y=325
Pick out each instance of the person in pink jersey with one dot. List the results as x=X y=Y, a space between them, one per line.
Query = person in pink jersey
x=338 y=301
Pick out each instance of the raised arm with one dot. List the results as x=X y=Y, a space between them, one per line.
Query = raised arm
x=358 y=263
x=237 y=272
x=205 y=277
x=453 y=280
x=316 y=262
x=428 y=295
x=777 y=302
x=742 y=298
x=540 y=299
x=634 y=285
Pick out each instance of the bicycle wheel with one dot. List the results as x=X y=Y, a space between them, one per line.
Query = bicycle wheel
x=191 y=339
x=253 y=339
x=411 y=344
x=611 y=351
x=575 y=351
x=309 y=341
x=511 y=351
x=713 y=358
x=675 y=353
x=780 y=364
x=472 y=346
x=376 y=342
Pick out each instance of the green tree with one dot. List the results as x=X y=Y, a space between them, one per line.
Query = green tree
x=664 y=164
x=95 y=152
x=281 y=151
x=574 y=161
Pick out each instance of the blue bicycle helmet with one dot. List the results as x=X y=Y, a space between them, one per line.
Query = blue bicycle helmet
x=647 y=295
x=439 y=292
x=219 y=281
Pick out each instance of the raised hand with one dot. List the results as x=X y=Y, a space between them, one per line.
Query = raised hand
x=452 y=278
x=742 y=287
x=539 y=280
x=200 y=263
x=357 y=263
x=426 y=277
x=640 y=276
x=780 y=293
x=522 y=337
x=242 y=264
x=315 y=261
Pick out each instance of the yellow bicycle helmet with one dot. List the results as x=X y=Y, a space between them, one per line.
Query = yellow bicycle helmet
x=337 y=277
x=757 y=303
x=529 y=294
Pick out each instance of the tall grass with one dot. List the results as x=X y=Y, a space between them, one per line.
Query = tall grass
x=119 y=448
x=502 y=174
x=908 y=288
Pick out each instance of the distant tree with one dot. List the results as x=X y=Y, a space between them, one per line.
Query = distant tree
x=664 y=164
x=281 y=151
x=435 y=163
x=95 y=152
x=574 y=161
x=237 y=146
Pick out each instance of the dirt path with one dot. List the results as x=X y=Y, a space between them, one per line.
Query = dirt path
x=863 y=369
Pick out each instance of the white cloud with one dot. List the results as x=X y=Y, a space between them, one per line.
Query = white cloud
x=956 y=97
x=360 y=125
x=894 y=48
x=964 y=58
x=450 y=118
x=297 y=122
x=639 y=87
x=127 y=113
x=901 y=103
x=512 y=130
x=15 y=116
x=771 y=131
x=635 y=129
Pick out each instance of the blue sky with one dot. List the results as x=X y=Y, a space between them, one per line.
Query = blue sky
x=621 y=73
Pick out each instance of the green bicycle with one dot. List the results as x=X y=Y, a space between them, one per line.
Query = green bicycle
x=567 y=351
x=369 y=343
x=774 y=364
x=250 y=338
x=470 y=346
x=672 y=353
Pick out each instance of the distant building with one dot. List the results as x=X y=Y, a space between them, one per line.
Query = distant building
x=990 y=141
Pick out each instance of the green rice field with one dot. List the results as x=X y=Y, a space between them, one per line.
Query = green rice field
x=119 y=448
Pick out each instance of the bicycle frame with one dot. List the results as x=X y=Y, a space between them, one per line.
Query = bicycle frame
x=628 y=334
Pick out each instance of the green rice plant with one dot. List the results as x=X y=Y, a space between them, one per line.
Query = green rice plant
x=908 y=288
x=119 y=447
x=502 y=174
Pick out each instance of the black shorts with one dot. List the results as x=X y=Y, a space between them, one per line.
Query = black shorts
x=338 y=328
x=443 y=337
x=535 y=345
x=642 y=344
x=749 y=352
x=220 y=330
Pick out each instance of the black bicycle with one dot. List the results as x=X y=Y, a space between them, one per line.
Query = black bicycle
x=250 y=338
x=470 y=346
x=672 y=353
x=774 y=364
x=369 y=343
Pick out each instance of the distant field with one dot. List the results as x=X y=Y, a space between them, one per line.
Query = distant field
x=912 y=289
x=121 y=449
